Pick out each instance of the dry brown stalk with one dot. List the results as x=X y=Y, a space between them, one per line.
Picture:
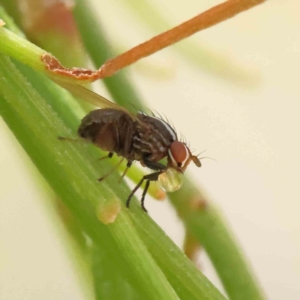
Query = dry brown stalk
x=202 y=21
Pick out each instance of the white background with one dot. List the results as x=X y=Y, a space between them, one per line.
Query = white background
x=251 y=130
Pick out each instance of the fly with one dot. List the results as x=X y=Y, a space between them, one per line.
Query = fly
x=140 y=137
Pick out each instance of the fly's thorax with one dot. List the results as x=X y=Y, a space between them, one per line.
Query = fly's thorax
x=154 y=137
x=161 y=127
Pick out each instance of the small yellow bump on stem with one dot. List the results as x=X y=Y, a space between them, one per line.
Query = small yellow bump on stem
x=108 y=212
x=2 y=23
x=192 y=248
x=198 y=203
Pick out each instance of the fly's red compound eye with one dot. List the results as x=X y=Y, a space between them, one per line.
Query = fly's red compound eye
x=179 y=154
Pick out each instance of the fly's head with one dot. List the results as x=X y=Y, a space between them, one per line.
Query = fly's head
x=180 y=156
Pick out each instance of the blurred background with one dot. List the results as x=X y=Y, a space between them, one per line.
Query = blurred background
x=232 y=90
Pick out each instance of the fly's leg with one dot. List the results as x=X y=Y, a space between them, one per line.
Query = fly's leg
x=128 y=165
x=61 y=138
x=144 y=194
x=109 y=155
x=148 y=178
x=133 y=191
x=111 y=170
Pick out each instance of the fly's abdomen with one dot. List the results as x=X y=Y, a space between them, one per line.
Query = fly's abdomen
x=109 y=129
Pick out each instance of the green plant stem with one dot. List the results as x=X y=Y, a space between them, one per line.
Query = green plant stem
x=108 y=280
x=186 y=279
x=207 y=225
x=17 y=47
x=227 y=258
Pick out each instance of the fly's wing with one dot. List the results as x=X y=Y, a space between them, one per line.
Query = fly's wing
x=91 y=97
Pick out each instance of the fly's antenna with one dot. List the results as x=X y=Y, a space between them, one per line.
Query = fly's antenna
x=204 y=156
